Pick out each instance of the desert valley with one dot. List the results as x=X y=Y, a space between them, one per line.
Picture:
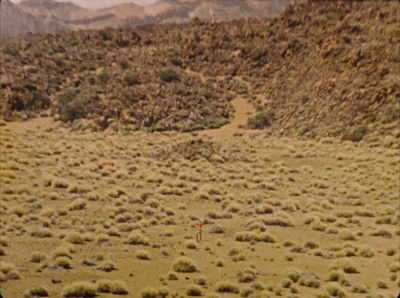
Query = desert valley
x=280 y=135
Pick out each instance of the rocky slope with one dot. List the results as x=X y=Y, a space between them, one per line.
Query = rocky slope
x=321 y=69
x=37 y=16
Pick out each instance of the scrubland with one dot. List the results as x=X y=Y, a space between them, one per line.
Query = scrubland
x=106 y=214
x=281 y=135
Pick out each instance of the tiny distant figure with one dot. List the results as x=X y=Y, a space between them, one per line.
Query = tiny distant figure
x=199 y=232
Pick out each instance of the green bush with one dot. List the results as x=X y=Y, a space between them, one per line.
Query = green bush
x=355 y=135
x=124 y=63
x=11 y=50
x=38 y=100
x=169 y=75
x=72 y=110
x=68 y=95
x=104 y=76
x=92 y=80
x=261 y=120
x=130 y=79
x=177 y=61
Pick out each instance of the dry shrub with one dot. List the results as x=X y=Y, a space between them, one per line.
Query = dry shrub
x=6 y=267
x=48 y=212
x=382 y=232
x=114 y=287
x=78 y=204
x=318 y=225
x=194 y=290
x=37 y=291
x=42 y=233
x=391 y=251
x=292 y=273
x=191 y=244
x=309 y=280
x=63 y=262
x=62 y=251
x=137 y=239
x=107 y=266
x=246 y=236
x=336 y=291
x=184 y=264
x=201 y=280
x=172 y=276
x=264 y=209
x=20 y=211
x=359 y=288
x=366 y=251
x=234 y=207
x=38 y=257
x=143 y=255
x=226 y=286
x=267 y=237
x=338 y=276
x=246 y=276
x=75 y=238
x=154 y=293
x=153 y=203
x=345 y=264
x=217 y=229
x=382 y=285
x=213 y=214
x=202 y=195
x=59 y=183
x=102 y=238
x=80 y=289
x=364 y=213
x=278 y=221
x=345 y=234
x=79 y=189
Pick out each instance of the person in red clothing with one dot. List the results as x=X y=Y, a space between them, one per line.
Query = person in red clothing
x=199 y=232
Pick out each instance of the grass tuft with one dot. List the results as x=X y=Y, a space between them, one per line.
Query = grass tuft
x=80 y=289
x=226 y=286
x=184 y=264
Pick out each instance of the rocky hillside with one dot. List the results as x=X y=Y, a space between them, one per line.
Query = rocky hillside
x=320 y=69
x=40 y=16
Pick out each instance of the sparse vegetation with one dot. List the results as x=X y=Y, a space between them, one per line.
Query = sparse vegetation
x=116 y=194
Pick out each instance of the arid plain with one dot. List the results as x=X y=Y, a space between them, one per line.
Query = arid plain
x=282 y=216
x=281 y=135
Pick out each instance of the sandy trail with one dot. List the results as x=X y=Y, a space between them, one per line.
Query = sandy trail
x=242 y=109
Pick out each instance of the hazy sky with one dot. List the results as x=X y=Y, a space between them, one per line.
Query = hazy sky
x=101 y=3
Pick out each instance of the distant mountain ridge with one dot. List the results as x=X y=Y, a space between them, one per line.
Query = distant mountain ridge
x=44 y=16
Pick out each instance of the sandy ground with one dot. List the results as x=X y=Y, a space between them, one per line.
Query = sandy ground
x=322 y=203
x=243 y=110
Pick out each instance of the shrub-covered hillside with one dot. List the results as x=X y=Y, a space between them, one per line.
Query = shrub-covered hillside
x=321 y=69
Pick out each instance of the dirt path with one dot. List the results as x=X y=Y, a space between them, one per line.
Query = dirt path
x=242 y=109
